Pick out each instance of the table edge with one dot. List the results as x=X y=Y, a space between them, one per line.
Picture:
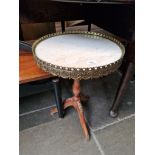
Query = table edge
x=79 y=73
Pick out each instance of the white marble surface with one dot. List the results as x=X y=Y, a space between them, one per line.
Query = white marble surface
x=78 y=51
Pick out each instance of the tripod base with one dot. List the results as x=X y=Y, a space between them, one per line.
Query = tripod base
x=75 y=102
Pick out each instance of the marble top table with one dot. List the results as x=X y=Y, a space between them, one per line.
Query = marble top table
x=78 y=55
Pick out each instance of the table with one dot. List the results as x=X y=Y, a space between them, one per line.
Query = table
x=78 y=55
x=28 y=70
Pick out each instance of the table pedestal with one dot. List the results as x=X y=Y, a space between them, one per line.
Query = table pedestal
x=75 y=102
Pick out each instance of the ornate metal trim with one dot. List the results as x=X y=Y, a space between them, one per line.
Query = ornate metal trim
x=79 y=73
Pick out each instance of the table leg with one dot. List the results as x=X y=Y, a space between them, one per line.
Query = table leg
x=58 y=99
x=75 y=102
x=123 y=84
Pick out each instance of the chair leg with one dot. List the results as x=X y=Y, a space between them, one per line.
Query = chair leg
x=123 y=84
x=58 y=98
x=89 y=26
x=63 y=26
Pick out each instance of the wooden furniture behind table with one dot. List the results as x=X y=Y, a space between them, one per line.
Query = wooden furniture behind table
x=117 y=17
x=28 y=69
x=33 y=80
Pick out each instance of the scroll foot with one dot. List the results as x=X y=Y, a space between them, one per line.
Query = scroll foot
x=79 y=109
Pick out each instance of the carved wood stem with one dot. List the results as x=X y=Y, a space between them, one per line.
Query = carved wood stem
x=76 y=88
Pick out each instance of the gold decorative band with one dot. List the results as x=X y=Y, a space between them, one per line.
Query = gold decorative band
x=79 y=73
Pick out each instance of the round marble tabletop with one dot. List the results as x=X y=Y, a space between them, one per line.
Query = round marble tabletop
x=78 y=54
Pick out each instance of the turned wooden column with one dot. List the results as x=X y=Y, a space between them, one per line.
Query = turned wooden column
x=76 y=88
